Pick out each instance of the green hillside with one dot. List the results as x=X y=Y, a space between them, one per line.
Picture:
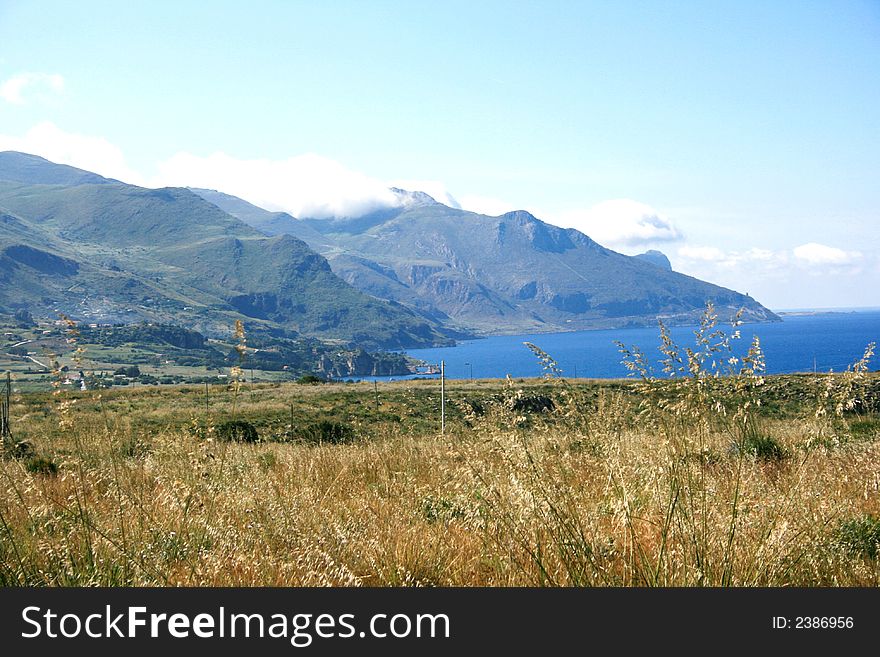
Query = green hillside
x=111 y=252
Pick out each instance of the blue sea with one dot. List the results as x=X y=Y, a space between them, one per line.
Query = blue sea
x=803 y=342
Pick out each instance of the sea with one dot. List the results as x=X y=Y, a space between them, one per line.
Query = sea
x=805 y=341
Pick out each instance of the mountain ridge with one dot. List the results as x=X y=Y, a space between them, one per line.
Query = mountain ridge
x=511 y=273
x=415 y=274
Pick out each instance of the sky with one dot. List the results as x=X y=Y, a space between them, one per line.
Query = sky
x=742 y=138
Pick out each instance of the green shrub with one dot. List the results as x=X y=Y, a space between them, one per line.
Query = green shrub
x=764 y=448
x=532 y=404
x=865 y=429
x=41 y=465
x=860 y=536
x=326 y=431
x=267 y=460
x=310 y=379
x=240 y=431
x=474 y=407
x=20 y=450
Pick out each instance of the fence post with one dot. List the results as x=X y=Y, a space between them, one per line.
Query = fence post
x=442 y=396
x=5 y=408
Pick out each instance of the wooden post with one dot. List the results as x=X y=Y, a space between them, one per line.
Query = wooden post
x=206 y=401
x=376 y=390
x=442 y=396
x=5 y=406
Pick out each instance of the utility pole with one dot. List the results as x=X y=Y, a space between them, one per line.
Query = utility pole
x=376 y=390
x=442 y=396
x=206 y=401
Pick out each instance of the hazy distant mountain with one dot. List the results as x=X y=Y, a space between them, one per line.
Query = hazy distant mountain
x=657 y=258
x=107 y=251
x=511 y=273
x=270 y=223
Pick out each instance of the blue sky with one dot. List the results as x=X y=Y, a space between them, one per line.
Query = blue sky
x=740 y=138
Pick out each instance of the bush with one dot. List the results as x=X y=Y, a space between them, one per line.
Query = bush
x=532 y=404
x=474 y=407
x=865 y=429
x=860 y=536
x=326 y=431
x=764 y=448
x=20 y=450
x=41 y=465
x=239 y=431
x=310 y=379
x=267 y=461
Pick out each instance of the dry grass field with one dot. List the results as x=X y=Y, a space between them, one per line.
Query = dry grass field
x=693 y=480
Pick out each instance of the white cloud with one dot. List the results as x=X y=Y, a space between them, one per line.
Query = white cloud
x=305 y=186
x=704 y=253
x=819 y=254
x=83 y=151
x=16 y=89
x=762 y=255
x=730 y=259
x=817 y=258
x=621 y=223
x=804 y=276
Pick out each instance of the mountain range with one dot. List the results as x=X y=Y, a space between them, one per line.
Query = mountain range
x=511 y=273
x=415 y=275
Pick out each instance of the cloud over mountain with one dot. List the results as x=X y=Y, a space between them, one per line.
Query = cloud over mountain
x=83 y=151
x=622 y=223
x=305 y=186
